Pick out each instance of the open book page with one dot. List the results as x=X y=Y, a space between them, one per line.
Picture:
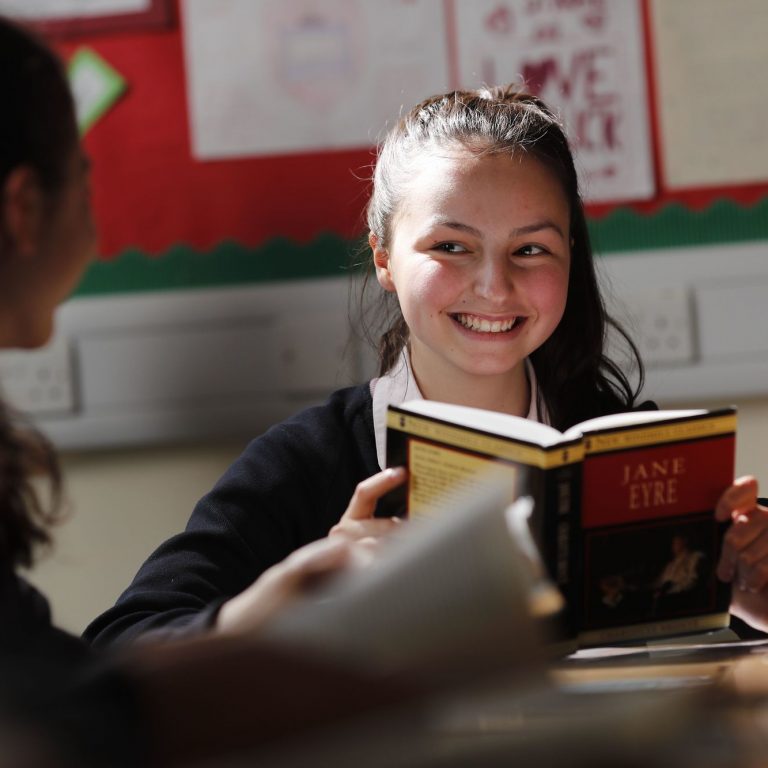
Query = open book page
x=487 y=421
x=524 y=429
x=445 y=595
x=629 y=419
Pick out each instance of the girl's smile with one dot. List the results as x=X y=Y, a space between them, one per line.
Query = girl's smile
x=488 y=327
x=479 y=257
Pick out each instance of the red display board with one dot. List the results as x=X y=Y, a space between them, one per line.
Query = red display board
x=150 y=194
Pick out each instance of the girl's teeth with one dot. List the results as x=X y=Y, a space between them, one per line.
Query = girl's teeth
x=485 y=326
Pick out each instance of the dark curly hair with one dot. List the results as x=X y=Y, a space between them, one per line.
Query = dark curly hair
x=24 y=518
x=38 y=130
x=576 y=378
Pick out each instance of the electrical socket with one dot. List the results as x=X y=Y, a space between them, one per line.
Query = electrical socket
x=39 y=381
x=662 y=325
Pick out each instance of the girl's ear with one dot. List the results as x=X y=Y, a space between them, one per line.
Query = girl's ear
x=21 y=216
x=381 y=262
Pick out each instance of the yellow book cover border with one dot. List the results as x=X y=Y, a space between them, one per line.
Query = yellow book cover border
x=471 y=439
x=639 y=436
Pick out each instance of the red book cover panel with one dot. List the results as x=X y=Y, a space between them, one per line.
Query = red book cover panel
x=659 y=481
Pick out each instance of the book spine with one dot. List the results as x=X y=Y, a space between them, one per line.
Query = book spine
x=395 y=503
x=560 y=535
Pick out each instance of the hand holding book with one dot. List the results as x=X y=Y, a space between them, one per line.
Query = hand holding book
x=743 y=551
x=744 y=558
x=445 y=600
x=358 y=522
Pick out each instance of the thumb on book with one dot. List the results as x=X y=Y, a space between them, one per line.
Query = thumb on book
x=740 y=497
x=368 y=492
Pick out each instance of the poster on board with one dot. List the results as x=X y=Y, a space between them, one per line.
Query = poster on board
x=63 y=9
x=284 y=76
x=69 y=18
x=712 y=134
x=305 y=75
x=584 y=58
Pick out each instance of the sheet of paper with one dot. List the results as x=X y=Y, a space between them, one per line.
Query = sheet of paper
x=587 y=60
x=713 y=100
x=96 y=86
x=302 y=75
x=64 y=9
x=400 y=612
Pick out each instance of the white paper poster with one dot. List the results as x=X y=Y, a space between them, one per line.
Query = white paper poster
x=274 y=76
x=713 y=97
x=65 y=9
x=584 y=57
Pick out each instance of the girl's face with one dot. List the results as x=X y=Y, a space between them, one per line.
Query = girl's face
x=73 y=227
x=64 y=245
x=479 y=259
x=72 y=234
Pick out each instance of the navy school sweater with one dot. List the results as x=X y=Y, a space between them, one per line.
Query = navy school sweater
x=288 y=488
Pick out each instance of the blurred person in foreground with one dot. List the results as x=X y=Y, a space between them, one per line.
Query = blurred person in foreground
x=62 y=704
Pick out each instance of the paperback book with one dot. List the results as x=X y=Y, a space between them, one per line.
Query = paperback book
x=623 y=505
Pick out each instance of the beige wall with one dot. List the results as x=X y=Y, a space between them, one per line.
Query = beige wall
x=752 y=443
x=126 y=502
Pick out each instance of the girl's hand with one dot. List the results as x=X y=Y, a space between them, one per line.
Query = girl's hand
x=744 y=559
x=311 y=564
x=358 y=522
x=282 y=583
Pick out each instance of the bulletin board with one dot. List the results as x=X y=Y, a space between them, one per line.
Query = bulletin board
x=209 y=173
x=59 y=19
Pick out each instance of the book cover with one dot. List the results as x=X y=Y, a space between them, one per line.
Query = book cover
x=649 y=539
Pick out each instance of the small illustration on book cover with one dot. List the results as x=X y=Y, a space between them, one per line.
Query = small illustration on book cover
x=651 y=573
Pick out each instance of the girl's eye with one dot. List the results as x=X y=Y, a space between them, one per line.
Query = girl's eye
x=530 y=250
x=450 y=248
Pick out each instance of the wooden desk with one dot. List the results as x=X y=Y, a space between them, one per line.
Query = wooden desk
x=669 y=706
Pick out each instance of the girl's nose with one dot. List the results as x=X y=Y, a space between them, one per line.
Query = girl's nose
x=493 y=280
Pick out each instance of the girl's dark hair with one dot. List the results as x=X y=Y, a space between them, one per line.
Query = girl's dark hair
x=576 y=379
x=38 y=128
x=38 y=131
x=24 y=519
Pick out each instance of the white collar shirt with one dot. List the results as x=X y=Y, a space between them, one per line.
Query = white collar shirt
x=400 y=385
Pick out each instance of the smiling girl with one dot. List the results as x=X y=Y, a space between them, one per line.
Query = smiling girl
x=479 y=261
x=478 y=233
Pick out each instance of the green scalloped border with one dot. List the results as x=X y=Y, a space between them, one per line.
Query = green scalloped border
x=230 y=263
x=675 y=225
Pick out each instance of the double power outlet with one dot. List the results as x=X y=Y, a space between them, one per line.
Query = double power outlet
x=662 y=324
x=39 y=381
